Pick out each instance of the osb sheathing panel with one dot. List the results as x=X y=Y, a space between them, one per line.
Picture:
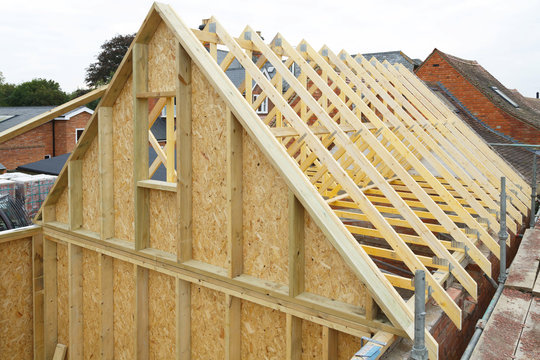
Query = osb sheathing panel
x=91 y=305
x=163 y=220
x=90 y=188
x=123 y=164
x=324 y=264
x=162 y=60
x=348 y=345
x=209 y=172
x=265 y=217
x=161 y=316
x=263 y=332
x=124 y=309
x=16 y=299
x=62 y=286
x=311 y=340
x=62 y=207
x=207 y=323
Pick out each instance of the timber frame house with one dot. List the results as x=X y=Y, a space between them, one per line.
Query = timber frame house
x=271 y=236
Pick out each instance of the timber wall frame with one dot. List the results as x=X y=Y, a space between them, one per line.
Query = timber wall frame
x=365 y=153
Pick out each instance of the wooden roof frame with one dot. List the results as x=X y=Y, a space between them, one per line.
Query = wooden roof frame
x=405 y=124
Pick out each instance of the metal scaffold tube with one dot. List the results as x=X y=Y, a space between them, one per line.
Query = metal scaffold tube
x=419 y=350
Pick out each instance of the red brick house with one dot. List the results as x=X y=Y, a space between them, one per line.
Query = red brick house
x=484 y=96
x=55 y=137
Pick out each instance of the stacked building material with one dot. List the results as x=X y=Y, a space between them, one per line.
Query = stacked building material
x=29 y=190
x=7 y=187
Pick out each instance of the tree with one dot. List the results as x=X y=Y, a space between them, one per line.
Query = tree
x=5 y=90
x=112 y=53
x=37 y=92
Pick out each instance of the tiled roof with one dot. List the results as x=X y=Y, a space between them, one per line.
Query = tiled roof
x=18 y=114
x=395 y=57
x=483 y=81
x=11 y=116
x=520 y=158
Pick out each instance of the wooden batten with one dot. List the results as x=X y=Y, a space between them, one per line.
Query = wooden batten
x=234 y=195
x=183 y=320
x=296 y=246
x=140 y=145
x=75 y=302
x=330 y=344
x=50 y=301
x=106 y=284
x=141 y=312
x=75 y=198
x=184 y=154
x=233 y=331
x=294 y=337
x=38 y=295
x=106 y=172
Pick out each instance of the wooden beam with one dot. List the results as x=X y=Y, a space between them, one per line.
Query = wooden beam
x=60 y=352
x=19 y=233
x=294 y=337
x=141 y=313
x=183 y=320
x=184 y=154
x=106 y=172
x=233 y=335
x=106 y=289
x=371 y=307
x=156 y=94
x=75 y=198
x=341 y=239
x=234 y=195
x=158 y=185
x=50 y=303
x=329 y=344
x=170 y=139
x=140 y=145
x=343 y=317
x=38 y=295
x=296 y=246
x=75 y=255
x=51 y=114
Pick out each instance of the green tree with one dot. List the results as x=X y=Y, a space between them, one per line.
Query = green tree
x=5 y=90
x=36 y=92
x=111 y=55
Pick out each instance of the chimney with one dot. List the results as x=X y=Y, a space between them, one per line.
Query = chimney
x=537 y=95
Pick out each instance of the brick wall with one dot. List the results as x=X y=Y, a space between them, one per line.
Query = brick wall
x=452 y=342
x=33 y=145
x=475 y=101
x=65 y=132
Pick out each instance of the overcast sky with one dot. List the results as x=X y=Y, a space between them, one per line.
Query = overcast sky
x=58 y=39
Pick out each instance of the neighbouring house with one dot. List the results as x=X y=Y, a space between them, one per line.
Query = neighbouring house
x=502 y=109
x=519 y=157
x=55 y=137
x=395 y=57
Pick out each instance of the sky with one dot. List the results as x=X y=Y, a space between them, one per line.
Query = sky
x=59 y=39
